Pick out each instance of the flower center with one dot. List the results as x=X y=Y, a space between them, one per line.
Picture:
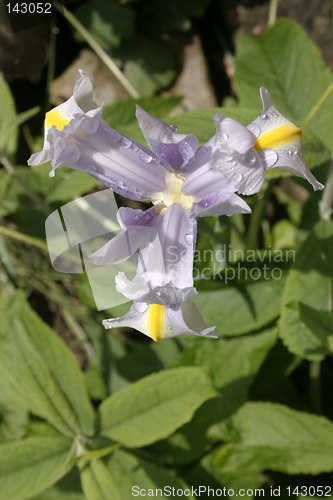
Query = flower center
x=53 y=118
x=173 y=192
x=278 y=137
x=156 y=321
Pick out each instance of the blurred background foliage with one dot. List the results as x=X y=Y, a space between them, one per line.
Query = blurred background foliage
x=85 y=414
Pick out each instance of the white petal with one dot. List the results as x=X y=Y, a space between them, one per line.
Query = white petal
x=159 y=322
x=292 y=160
x=245 y=172
x=231 y=136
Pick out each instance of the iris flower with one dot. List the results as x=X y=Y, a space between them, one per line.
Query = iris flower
x=243 y=154
x=176 y=176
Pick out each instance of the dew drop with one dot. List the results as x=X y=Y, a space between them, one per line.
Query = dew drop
x=263 y=116
x=174 y=127
x=145 y=156
x=274 y=113
x=252 y=158
x=140 y=306
x=189 y=236
x=224 y=137
x=237 y=177
x=126 y=143
x=52 y=174
x=90 y=125
x=296 y=152
x=290 y=152
x=157 y=293
x=114 y=135
x=234 y=163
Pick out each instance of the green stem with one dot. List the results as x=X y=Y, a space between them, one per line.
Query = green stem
x=315 y=386
x=29 y=240
x=273 y=5
x=98 y=49
x=318 y=104
x=102 y=452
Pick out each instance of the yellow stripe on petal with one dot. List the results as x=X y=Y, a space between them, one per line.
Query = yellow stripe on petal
x=156 y=316
x=278 y=137
x=53 y=118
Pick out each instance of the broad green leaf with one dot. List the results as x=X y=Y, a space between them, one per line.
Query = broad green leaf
x=286 y=62
x=155 y=406
x=320 y=323
x=44 y=371
x=240 y=309
x=205 y=473
x=129 y=470
x=233 y=364
x=148 y=64
x=310 y=282
x=67 y=488
x=30 y=466
x=107 y=21
x=8 y=145
x=123 y=112
x=98 y=482
x=272 y=436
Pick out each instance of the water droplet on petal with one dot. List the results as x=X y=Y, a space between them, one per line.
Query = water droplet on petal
x=174 y=127
x=252 y=158
x=274 y=114
x=52 y=174
x=290 y=152
x=157 y=293
x=145 y=156
x=189 y=236
x=296 y=152
x=140 y=306
x=114 y=135
x=224 y=137
x=234 y=163
x=126 y=142
x=237 y=177
x=90 y=125
x=263 y=116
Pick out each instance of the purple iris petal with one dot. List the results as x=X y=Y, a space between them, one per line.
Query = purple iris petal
x=136 y=232
x=173 y=148
x=121 y=164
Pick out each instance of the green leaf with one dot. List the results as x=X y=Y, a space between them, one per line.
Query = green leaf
x=313 y=328
x=107 y=21
x=320 y=323
x=30 y=466
x=44 y=371
x=123 y=112
x=155 y=406
x=291 y=67
x=240 y=309
x=272 y=436
x=309 y=282
x=130 y=471
x=98 y=482
x=233 y=364
x=8 y=145
x=148 y=64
